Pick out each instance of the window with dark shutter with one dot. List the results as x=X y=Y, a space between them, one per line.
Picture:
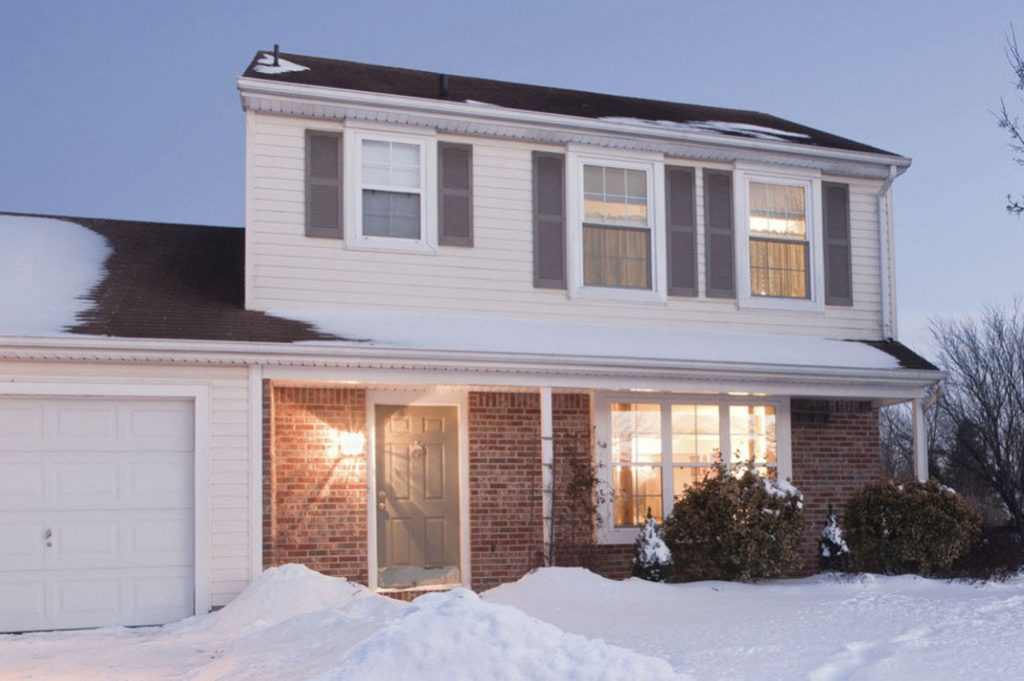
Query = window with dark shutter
x=323 y=184
x=838 y=266
x=455 y=194
x=719 y=234
x=549 y=220
x=682 y=230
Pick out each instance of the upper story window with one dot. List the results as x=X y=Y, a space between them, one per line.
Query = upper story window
x=778 y=241
x=613 y=228
x=390 y=191
x=779 y=249
x=616 y=228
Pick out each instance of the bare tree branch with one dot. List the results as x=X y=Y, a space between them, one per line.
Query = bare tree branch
x=1009 y=122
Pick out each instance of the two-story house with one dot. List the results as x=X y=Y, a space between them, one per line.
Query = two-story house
x=470 y=328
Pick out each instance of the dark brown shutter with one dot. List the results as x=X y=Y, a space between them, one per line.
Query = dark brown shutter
x=455 y=194
x=548 y=220
x=838 y=260
x=720 y=252
x=680 y=189
x=323 y=184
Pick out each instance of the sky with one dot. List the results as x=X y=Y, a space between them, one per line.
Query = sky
x=129 y=109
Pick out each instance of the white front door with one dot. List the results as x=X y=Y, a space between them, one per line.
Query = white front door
x=96 y=512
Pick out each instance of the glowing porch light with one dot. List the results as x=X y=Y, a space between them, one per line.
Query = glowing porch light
x=349 y=443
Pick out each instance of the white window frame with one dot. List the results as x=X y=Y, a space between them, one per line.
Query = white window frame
x=607 y=533
x=810 y=180
x=353 y=188
x=654 y=166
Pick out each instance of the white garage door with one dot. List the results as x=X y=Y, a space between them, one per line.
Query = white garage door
x=96 y=512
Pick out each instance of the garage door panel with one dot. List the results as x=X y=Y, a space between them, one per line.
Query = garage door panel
x=160 y=483
x=23 y=541
x=21 y=481
x=23 y=603
x=96 y=512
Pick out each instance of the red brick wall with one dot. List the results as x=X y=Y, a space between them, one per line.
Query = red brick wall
x=506 y=527
x=574 y=518
x=832 y=460
x=314 y=499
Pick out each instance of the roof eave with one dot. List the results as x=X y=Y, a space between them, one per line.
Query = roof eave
x=249 y=86
x=354 y=357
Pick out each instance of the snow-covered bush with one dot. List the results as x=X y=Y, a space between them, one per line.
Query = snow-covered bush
x=734 y=527
x=919 y=528
x=651 y=558
x=833 y=553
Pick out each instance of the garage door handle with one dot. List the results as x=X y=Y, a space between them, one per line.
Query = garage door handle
x=49 y=533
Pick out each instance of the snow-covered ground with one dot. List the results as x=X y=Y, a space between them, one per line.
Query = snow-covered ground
x=295 y=624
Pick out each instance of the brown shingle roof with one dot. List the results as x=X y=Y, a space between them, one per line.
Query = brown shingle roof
x=351 y=75
x=177 y=281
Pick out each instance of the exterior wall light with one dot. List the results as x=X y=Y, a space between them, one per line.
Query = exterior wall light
x=350 y=443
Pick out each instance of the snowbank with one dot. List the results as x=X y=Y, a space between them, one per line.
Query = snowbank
x=455 y=635
x=293 y=624
x=820 y=628
x=47 y=267
x=278 y=594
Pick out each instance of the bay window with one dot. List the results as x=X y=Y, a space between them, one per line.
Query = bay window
x=651 y=450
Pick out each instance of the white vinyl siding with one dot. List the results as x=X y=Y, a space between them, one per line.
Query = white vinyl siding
x=229 y=455
x=495 y=277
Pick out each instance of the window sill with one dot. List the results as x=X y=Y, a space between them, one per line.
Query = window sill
x=617 y=536
x=385 y=244
x=618 y=294
x=782 y=304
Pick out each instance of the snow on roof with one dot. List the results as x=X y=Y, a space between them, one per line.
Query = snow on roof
x=266 y=65
x=47 y=267
x=448 y=332
x=724 y=127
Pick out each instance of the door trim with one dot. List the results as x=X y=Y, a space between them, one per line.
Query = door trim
x=413 y=398
x=200 y=396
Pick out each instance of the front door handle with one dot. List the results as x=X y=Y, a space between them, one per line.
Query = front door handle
x=382 y=506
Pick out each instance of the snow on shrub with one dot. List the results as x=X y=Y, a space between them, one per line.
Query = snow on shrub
x=737 y=527
x=919 y=528
x=833 y=553
x=651 y=557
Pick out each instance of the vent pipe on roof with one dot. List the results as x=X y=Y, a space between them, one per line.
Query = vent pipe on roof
x=442 y=85
x=276 y=63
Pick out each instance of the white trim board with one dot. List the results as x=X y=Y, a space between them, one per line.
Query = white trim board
x=200 y=394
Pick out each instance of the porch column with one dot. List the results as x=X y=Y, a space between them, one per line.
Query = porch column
x=920 y=441
x=547 y=460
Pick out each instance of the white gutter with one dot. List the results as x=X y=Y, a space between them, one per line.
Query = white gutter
x=884 y=261
x=348 y=353
x=494 y=113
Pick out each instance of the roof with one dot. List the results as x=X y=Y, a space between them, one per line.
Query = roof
x=176 y=281
x=186 y=282
x=390 y=80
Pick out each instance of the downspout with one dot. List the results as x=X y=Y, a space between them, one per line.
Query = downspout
x=547 y=461
x=883 y=252
x=920 y=430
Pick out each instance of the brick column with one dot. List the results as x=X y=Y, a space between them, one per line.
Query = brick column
x=835 y=453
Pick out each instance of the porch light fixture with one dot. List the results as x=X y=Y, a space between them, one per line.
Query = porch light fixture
x=349 y=443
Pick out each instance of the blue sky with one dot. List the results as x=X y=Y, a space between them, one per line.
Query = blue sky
x=129 y=109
